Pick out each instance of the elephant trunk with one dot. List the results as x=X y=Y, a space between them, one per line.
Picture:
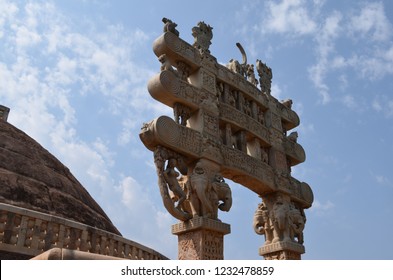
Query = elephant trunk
x=227 y=204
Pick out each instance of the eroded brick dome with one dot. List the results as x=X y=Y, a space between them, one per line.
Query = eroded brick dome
x=32 y=178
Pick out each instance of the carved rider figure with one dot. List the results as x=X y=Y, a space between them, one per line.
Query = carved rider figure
x=170 y=175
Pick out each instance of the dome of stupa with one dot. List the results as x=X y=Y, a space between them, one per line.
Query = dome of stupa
x=32 y=178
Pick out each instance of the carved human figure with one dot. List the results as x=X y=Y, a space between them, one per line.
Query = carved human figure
x=264 y=155
x=232 y=98
x=170 y=26
x=181 y=113
x=262 y=223
x=261 y=116
x=170 y=175
x=183 y=70
x=251 y=74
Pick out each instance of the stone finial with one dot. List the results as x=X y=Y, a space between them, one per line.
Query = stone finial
x=202 y=34
x=170 y=26
x=265 y=76
x=4 y=111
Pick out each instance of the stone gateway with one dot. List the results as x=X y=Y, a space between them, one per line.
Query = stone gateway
x=224 y=126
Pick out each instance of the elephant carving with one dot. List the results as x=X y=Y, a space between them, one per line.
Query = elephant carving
x=262 y=223
x=205 y=195
x=297 y=222
x=221 y=192
x=280 y=220
x=200 y=187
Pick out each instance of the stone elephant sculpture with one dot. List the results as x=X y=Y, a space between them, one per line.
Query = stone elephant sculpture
x=280 y=220
x=262 y=223
x=221 y=195
x=297 y=223
x=206 y=195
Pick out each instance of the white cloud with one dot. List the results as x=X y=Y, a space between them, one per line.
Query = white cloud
x=322 y=208
x=325 y=39
x=145 y=214
x=349 y=101
x=371 y=22
x=54 y=63
x=383 y=104
x=289 y=16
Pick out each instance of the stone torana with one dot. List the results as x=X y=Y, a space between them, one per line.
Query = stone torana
x=226 y=124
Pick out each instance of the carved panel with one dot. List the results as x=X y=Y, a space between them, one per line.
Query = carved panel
x=208 y=81
x=239 y=119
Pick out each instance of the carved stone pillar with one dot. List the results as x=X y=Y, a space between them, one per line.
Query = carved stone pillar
x=282 y=222
x=201 y=239
x=282 y=251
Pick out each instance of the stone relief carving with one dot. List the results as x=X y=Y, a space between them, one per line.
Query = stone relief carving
x=170 y=26
x=206 y=193
x=251 y=75
x=165 y=64
x=202 y=34
x=279 y=220
x=184 y=70
x=170 y=176
x=265 y=76
x=293 y=136
x=225 y=126
x=182 y=113
x=237 y=67
x=170 y=190
x=262 y=223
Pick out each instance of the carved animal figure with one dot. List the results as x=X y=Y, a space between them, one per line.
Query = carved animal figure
x=223 y=193
x=235 y=66
x=297 y=223
x=262 y=224
x=200 y=187
x=165 y=64
x=170 y=26
x=287 y=103
x=279 y=218
x=293 y=136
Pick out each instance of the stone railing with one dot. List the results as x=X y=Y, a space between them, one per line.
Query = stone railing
x=31 y=233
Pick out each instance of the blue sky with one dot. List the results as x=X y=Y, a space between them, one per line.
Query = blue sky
x=74 y=74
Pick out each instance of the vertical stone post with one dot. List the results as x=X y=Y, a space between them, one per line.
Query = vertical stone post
x=201 y=239
x=4 y=111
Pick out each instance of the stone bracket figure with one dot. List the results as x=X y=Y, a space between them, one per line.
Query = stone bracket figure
x=169 y=189
x=170 y=176
x=207 y=193
x=262 y=223
x=279 y=220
